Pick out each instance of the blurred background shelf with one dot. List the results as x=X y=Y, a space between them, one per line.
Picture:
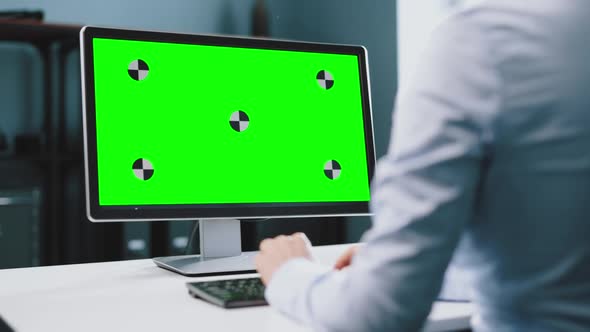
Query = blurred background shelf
x=19 y=228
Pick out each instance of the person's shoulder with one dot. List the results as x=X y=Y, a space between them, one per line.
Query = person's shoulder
x=488 y=26
x=503 y=20
x=474 y=18
x=463 y=30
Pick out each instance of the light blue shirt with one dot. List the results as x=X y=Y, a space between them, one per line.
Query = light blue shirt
x=490 y=155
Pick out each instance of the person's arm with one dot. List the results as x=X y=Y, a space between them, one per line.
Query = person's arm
x=424 y=195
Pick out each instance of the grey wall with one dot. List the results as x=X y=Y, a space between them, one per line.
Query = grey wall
x=204 y=16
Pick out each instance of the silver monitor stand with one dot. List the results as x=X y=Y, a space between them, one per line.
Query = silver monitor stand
x=221 y=252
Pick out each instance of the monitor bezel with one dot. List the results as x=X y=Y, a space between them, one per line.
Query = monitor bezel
x=98 y=213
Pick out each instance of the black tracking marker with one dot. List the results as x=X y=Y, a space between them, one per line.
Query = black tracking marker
x=239 y=121
x=143 y=169
x=138 y=70
x=325 y=79
x=332 y=169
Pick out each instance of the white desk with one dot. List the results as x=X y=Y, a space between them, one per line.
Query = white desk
x=138 y=296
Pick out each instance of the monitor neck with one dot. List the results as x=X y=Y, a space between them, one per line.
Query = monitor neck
x=220 y=238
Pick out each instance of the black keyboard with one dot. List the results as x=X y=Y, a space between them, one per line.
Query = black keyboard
x=233 y=293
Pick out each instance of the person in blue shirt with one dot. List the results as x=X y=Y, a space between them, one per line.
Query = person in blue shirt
x=489 y=161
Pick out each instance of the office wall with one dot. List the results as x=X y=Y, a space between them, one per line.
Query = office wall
x=204 y=16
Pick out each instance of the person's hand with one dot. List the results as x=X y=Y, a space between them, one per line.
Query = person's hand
x=346 y=258
x=275 y=252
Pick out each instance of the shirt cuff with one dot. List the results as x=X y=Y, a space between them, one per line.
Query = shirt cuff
x=288 y=288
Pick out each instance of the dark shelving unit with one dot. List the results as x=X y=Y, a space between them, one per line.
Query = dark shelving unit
x=47 y=151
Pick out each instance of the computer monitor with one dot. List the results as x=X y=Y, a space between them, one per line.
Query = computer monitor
x=221 y=129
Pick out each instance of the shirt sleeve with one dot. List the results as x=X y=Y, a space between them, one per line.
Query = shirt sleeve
x=423 y=196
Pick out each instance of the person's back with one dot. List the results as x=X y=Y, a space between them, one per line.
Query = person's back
x=489 y=150
x=529 y=240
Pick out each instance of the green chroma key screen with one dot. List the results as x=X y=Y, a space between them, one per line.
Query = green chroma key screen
x=198 y=124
